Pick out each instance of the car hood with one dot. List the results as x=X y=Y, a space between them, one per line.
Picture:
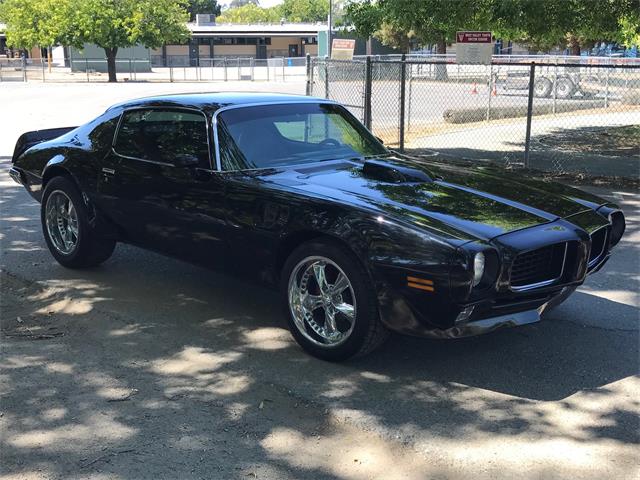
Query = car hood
x=461 y=202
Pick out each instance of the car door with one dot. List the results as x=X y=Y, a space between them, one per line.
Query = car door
x=160 y=185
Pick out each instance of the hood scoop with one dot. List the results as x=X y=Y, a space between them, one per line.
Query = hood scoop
x=393 y=172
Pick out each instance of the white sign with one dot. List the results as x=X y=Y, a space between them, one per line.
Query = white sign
x=474 y=48
x=342 y=48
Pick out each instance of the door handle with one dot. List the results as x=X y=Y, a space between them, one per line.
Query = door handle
x=108 y=174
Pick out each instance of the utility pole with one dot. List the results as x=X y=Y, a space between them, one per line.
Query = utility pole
x=330 y=24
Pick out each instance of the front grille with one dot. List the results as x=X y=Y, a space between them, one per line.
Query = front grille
x=598 y=244
x=538 y=267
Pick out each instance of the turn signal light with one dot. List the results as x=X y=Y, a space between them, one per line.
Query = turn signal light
x=420 y=284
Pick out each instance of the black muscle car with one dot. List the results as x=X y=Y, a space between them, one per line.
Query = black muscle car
x=296 y=193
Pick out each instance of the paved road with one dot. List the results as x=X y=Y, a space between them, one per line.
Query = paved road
x=151 y=368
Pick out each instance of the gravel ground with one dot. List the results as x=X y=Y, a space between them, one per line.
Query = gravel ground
x=151 y=368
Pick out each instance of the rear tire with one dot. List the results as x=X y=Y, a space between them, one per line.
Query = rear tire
x=66 y=227
x=339 y=320
x=565 y=88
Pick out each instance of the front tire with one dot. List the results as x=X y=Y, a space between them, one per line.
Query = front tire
x=542 y=88
x=67 y=229
x=330 y=302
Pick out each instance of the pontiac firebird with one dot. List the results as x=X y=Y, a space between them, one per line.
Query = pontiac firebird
x=296 y=193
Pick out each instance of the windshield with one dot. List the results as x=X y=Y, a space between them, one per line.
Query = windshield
x=287 y=134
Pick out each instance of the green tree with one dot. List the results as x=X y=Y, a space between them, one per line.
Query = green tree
x=431 y=21
x=43 y=23
x=576 y=24
x=124 y=23
x=305 y=10
x=108 y=24
x=202 y=6
x=250 y=13
x=394 y=37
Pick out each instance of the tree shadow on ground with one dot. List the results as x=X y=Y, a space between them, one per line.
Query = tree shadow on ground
x=147 y=367
x=593 y=151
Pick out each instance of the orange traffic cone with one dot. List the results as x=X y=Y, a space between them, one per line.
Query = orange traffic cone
x=474 y=90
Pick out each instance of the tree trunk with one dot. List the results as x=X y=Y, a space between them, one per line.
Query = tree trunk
x=441 y=68
x=111 y=62
x=575 y=50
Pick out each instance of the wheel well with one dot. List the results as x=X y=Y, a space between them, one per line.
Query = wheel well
x=294 y=240
x=56 y=171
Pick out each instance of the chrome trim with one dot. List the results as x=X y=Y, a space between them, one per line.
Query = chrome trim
x=531 y=286
x=16 y=175
x=597 y=259
x=257 y=104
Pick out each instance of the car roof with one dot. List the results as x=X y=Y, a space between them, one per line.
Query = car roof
x=212 y=101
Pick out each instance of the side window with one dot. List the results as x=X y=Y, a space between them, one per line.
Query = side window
x=161 y=135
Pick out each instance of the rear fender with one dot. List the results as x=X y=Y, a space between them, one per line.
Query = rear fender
x=29 y=139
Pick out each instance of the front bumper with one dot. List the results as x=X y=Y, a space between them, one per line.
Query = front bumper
x=17 y=176
x=491 y=324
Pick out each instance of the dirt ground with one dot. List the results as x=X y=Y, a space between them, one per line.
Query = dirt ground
x=148 y=368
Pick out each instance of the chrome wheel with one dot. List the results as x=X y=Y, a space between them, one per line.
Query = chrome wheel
x=322 y=301
x=62 y=222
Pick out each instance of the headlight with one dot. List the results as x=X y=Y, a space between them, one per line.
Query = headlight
x=478 y=268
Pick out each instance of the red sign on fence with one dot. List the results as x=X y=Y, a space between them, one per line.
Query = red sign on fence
x=474 y=48
x=473 y=37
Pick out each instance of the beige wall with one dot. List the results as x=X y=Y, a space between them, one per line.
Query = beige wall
x=282 y=43
x=311 y=49
x=177 y=50
x=230 y=50
x=204 y=51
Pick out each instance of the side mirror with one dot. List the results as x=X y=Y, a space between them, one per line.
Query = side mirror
x=186 y=160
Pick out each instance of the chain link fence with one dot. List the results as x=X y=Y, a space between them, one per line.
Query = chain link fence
x=554 y=116
x=156 y=69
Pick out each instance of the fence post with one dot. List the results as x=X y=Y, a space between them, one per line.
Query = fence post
x=86 y=68
x=555 y=87
x=403 y=92
x=130 y=70
x=171 y=73
x=253 y=65
x=283 y=59
x=224 y=63
x=411 y=96
x=308 y=65
x=606 y=92
x=326 y=77
x=367 y=92
x=43 y=71
x=490 y=92
x=527 y=140
x=24 y=69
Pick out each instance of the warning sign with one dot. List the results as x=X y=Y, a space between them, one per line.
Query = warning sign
x=474 y=48
x=342 y=48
